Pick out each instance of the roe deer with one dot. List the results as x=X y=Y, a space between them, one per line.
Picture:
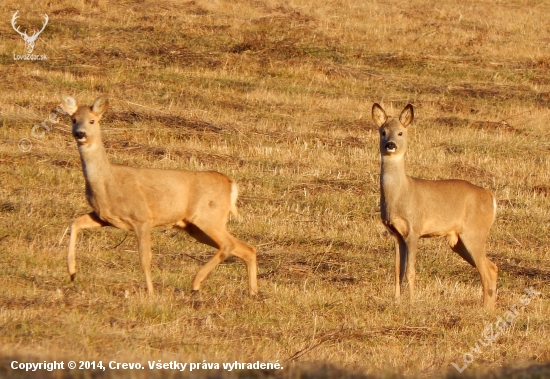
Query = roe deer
x=414 y=208
x=139 y=199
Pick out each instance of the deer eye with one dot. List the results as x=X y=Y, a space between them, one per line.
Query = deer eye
x=92 y=121
x=400 y=133
x=73 y=120
x=384 y=133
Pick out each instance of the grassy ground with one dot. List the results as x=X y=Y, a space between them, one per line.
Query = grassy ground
x=278 y=96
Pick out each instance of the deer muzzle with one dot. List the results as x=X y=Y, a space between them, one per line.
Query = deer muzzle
x=391 y=147
x=80 y=136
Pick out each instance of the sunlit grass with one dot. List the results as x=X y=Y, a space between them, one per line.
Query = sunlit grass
x=278 y=96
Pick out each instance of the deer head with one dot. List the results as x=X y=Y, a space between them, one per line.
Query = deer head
x=29 y=40
x=85 y=120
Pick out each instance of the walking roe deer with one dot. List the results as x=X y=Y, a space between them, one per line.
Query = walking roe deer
x=414 y=208
x=139 y=199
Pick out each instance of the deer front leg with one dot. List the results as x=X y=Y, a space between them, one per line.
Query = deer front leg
x=401 y=253
x=412 y=243
x=87 y=221
x=143 y=234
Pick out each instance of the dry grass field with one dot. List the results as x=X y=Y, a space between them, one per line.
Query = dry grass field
x=278 y=96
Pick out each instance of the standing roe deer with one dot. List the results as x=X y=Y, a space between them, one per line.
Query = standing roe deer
x=139 y=199
x=414 y=208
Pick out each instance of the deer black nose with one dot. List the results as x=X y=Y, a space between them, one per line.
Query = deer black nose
x=79 y=135
x=391 y=146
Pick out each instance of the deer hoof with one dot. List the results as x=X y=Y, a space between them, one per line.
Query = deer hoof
x=258 y=296
x=196 y=299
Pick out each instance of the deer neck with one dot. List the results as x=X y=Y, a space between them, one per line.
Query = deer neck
x=394 y=184
x=97 y=172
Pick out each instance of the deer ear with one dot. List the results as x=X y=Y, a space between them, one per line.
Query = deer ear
x=69 y=105
x=407 y=116
x=100 y=106
x=378 y=115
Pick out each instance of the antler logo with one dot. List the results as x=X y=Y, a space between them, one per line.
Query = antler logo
x=29 y=40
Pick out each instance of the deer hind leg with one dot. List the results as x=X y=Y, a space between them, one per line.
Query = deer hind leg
x=472 y=249
x=195 y=232
x=458 y=247
x=248 y=254
x=143 y=234
x=222 y=254
x=227 y=245
x=87 y=221
x=225 y=248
